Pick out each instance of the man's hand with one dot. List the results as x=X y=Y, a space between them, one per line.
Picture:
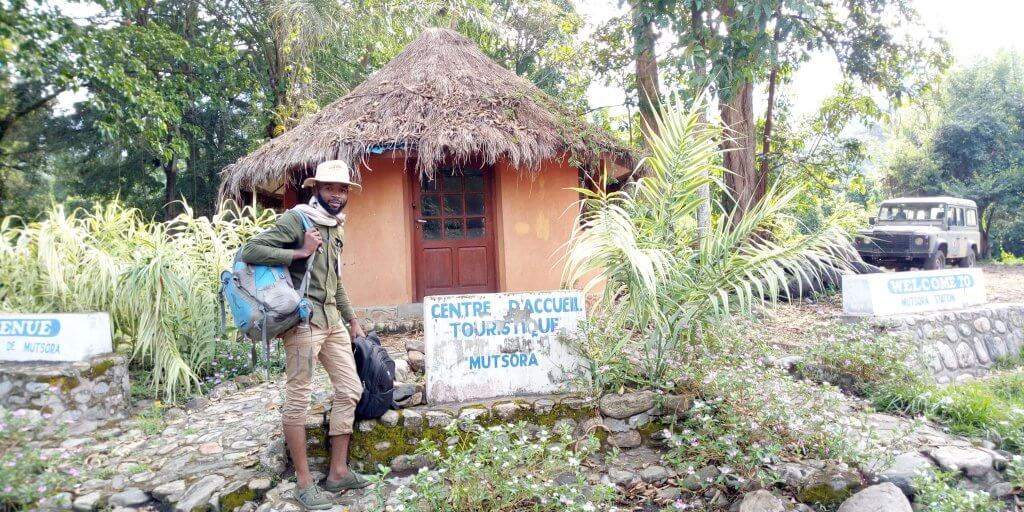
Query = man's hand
x=356 y=330
x=310 y=243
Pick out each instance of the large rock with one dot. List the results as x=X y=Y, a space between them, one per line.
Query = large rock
x=416 y=361
x=87 y=502
x=972 y=462
x=903 y=469
x=654 y=474
x=884 y=497
x=629 y=404
x=761 y=501
x=199 y=494
x=129 y=498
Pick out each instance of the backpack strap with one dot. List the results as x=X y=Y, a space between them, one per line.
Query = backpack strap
x=306 y=225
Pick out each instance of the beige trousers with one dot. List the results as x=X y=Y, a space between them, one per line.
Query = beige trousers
x=303 y=346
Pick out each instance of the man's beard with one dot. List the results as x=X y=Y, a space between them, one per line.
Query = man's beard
x=327 y=206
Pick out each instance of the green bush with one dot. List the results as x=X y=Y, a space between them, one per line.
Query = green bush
x=936 y=492
x=990 y=407
x=669 y=282
x=860 y=359
x=159 y=281
x=28 y=474
x=748 y=417
x=504 y=468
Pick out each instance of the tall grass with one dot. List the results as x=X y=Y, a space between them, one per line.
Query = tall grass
x=665 y=281
x=159 y=281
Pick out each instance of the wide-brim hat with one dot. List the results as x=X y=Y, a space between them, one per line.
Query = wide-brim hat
x=332 y=171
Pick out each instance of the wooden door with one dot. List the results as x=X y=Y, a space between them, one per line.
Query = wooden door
x=454 y=248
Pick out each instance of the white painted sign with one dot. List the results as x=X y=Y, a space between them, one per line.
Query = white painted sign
x=54 y=337
x=894 y=293
x=499 y=344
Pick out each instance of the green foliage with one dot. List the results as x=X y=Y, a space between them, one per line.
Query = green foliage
x=504 y=468
x=27 y=473
x=964 y=139
x=749 y=417
x=936 y=492
x=990 y=407
x=665 y=281
x=159 y=281
x=861 y=359
x=151 y=421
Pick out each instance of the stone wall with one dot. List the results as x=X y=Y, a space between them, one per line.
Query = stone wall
x=625 y=421
x=82 y=395
x=385 y=319
x=960 y=345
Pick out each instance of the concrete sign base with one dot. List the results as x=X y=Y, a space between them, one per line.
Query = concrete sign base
x=54 y=337
x=913 y=292
x=499 y=344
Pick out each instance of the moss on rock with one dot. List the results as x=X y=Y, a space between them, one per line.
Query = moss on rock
x=233 y=500
x=99 y=369
x=64 y=383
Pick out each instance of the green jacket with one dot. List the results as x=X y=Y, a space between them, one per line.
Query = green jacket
x=326 y=293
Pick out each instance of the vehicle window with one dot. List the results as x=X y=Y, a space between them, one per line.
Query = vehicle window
x=908 y=212
x=972 y=218
x=959 y=216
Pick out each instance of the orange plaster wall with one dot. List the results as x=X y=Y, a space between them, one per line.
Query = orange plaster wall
x=536 y=214
x=376 y=263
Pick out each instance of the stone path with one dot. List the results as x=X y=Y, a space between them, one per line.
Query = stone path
x=225 y=453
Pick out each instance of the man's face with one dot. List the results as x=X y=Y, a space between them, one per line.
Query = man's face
x=333 y=196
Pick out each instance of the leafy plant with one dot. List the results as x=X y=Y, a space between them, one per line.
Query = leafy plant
x=991 y=407
x=663 y=279
x=748 y=417
x=859 y=359
x=151 y=421
x=28 y=474
x=504 y=468
x=159 y=281
x=936 y=492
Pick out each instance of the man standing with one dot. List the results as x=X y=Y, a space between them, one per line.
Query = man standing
x=324 y=338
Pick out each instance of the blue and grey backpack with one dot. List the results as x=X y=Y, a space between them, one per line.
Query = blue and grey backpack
x=263 y=301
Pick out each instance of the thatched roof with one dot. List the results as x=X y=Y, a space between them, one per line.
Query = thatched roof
x=441 y=98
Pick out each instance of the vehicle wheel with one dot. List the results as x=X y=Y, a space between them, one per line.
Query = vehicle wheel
x=937 y=261
x=969 y=260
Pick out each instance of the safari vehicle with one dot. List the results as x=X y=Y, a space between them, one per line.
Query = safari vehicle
x=922 y=232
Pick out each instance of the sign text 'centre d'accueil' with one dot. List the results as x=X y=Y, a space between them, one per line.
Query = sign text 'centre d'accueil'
x=499 y=344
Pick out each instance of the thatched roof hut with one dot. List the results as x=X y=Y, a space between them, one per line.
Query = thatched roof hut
x=441 y=100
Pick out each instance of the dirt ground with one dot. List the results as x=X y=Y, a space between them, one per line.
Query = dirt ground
x=788 y=325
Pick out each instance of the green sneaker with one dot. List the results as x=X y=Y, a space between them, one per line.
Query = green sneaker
x=352 y=480
x=312 y=498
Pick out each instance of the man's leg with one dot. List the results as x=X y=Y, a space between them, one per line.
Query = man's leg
x=336 y=357
x=301 y=346
x=295 y=439
x=339 y=456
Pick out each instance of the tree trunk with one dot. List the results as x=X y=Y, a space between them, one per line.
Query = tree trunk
x=985 y=251
x=701 y=69
x=766 y=144
x=742 y=180
x=170 y=193
x=646 y=70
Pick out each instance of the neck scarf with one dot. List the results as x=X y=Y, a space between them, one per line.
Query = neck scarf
x=318 y=214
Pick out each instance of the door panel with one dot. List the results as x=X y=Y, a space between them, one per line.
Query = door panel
x=454 y=236
x=473 y=266
x=437 y=267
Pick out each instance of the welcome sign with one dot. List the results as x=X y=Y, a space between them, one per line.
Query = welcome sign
x=499 y=344
x=912 y=292
x=54 y=337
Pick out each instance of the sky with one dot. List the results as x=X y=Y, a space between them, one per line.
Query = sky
x=973 y=29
